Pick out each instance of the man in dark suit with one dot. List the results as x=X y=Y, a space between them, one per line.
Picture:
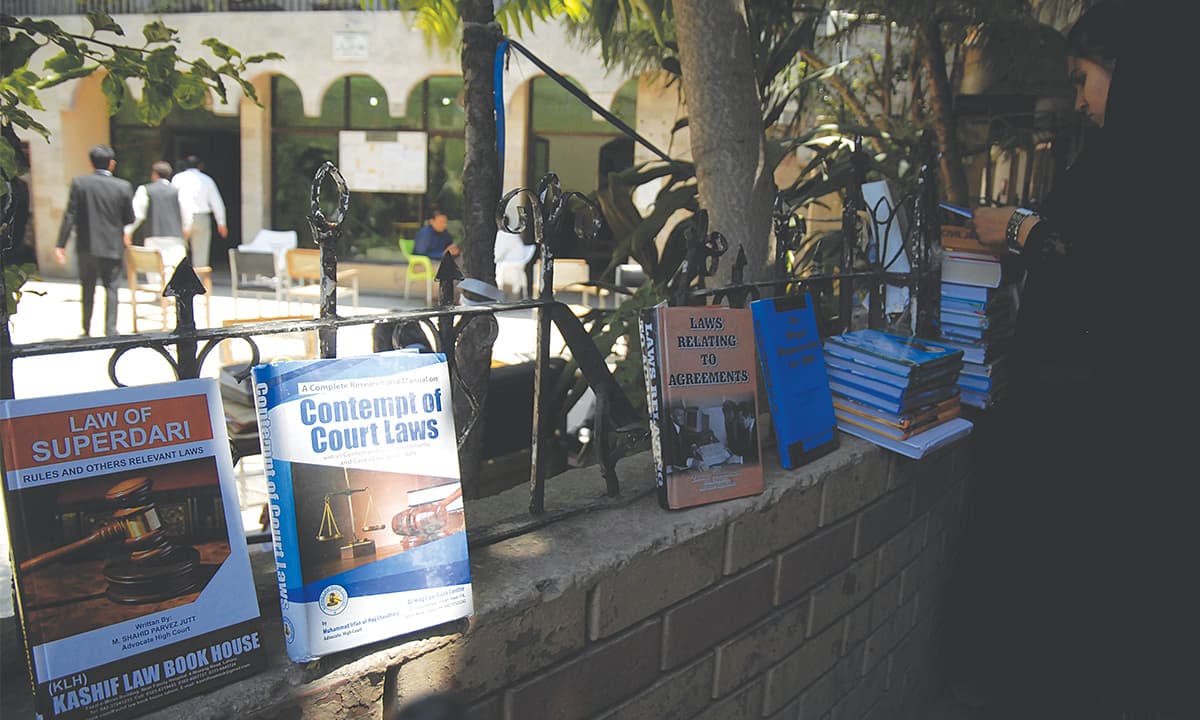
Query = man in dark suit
x=741 y=428
x=99 y=208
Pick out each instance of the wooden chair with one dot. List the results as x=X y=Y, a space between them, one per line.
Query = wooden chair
x=419 y=267
x=146 y=273
x=304 y=278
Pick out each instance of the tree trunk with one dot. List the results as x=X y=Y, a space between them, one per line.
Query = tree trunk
x=481 y=193
x=725 y=122
x=941 y=111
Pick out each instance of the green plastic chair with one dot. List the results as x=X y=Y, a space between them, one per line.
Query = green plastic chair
x=419 y=267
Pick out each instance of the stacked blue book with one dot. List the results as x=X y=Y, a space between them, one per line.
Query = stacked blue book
x=899 y=392
x=979 y=321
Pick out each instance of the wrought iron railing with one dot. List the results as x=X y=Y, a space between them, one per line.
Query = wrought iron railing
x=544 y=213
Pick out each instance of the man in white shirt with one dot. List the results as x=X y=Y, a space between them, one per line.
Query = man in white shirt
x=156 y=205
x=201 y=202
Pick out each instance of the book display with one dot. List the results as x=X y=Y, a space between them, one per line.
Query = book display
x=132 y=577
x=789 y=351
x=979 y=268
x=980 y=321
x=701 y=389
x=895 y=391
x=367 y=523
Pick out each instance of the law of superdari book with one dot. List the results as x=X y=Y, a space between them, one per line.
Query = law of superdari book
x=367 y=522
x=130 y=565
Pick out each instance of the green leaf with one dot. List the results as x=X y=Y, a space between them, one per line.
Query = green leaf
x=158 y=32
x=114 y=89
x=8 y=161
x=160 y=65
x=16 y=53
x=59 y=78
x=220 y=49
x=103 y=22
x=47 y=28
x=203 y=69
x=154 y=106
x=190 y=92
x=263 y=57
x=64 y=62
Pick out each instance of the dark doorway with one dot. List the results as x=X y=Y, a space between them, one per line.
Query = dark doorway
x=221 y=153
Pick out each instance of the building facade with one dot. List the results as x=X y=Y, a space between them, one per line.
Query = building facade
x=363 y=89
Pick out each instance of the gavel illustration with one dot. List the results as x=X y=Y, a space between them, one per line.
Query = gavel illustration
x=154 y=568
x=423 y=522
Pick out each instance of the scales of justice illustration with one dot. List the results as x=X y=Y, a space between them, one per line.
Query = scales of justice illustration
x=415 y=525
x=151 y=567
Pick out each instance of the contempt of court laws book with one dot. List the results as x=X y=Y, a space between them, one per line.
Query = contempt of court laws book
x=365 y=498
x=132 y=578
x=701 y=390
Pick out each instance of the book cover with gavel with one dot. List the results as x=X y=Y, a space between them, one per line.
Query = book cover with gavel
x=133 y=582
x=366 y=510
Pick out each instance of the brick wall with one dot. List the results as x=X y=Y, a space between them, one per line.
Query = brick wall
x=821 y=598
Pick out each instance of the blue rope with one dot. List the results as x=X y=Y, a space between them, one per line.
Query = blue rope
x=498 y=97
x=502 y=50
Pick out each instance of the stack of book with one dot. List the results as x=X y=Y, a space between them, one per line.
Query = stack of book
x=978 y=312
x=895 y=391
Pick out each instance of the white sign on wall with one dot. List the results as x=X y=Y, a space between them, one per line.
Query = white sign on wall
x=350 y=46
x=383 y=161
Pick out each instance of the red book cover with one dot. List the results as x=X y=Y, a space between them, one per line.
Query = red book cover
x=701 y=385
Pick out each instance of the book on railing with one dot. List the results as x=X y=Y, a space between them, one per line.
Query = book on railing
x=909 y=357
x=915 y=446
x=701 y=389
x=927 y=415
x=366 y=504
x=130 y=566
x=978 y=268
x=789 y=351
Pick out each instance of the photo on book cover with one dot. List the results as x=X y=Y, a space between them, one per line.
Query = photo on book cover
x=68 y=592
x=350 y=517
x=704 y=437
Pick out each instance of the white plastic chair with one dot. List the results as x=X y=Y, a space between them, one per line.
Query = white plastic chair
x=512 y=255
x=273 y=241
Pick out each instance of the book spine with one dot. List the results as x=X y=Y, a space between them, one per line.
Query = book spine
x=284 y=543
x=764 y=344
x=648 y=324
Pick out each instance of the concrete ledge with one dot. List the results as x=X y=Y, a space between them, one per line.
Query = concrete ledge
x=776 y=606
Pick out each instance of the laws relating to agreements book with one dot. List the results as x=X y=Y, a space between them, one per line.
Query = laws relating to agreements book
x=701 y=390
x=789 y=352
x=132 y=577
x=362 y=473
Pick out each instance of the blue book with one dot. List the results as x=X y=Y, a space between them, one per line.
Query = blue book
x=968 y=292
x=974 y=319
x=854 y=392
x=916 y=446
x=835 y=362
x=886 y=389
x=974 y=382
x=996 y=368
x=915 y=358
x=366 y=506
x=789 y=352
